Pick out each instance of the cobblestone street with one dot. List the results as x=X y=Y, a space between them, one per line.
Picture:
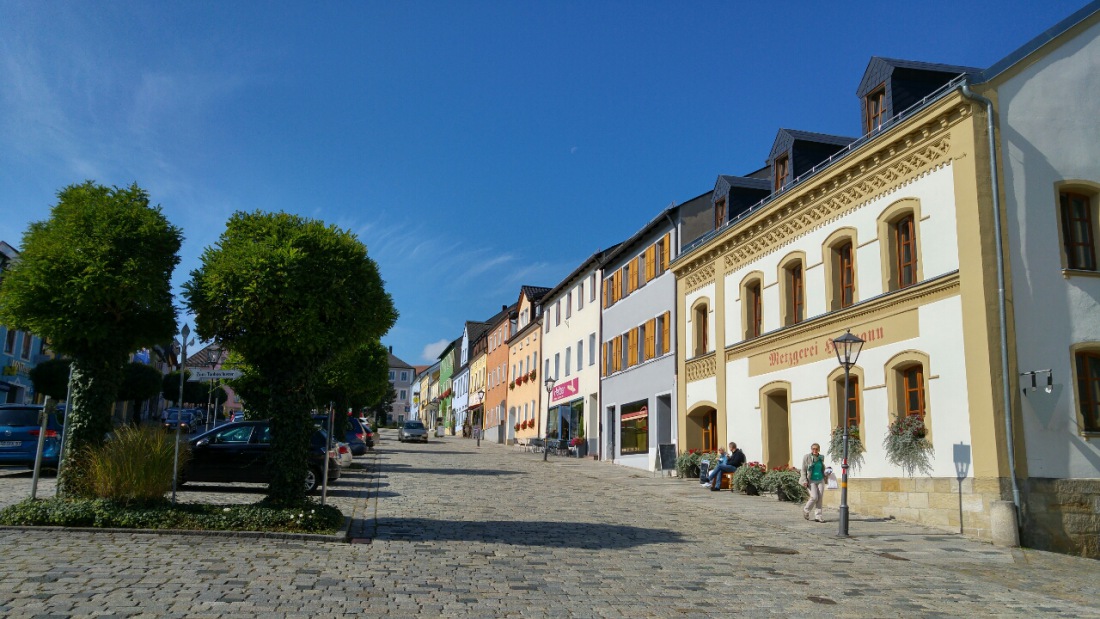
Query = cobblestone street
x=449 y=529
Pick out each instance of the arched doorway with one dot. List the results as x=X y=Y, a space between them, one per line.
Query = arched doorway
x=775 y=410
x=702 y=429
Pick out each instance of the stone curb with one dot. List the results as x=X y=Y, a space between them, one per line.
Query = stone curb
x=341 y=536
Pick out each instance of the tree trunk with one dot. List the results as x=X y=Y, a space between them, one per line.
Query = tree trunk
x=291 y=429
x=91 y=405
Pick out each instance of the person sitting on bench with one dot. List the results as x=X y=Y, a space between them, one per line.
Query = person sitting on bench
x=727 y=463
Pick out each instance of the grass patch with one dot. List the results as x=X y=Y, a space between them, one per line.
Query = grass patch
x=309 y=517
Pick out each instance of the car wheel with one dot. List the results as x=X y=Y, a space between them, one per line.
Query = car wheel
x=313 y=476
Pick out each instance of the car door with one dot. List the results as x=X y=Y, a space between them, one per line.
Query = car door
x=222 y=455
x=255 y=459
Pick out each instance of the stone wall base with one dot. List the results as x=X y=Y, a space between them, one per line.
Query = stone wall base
x=1062 y=515
x=930 y=501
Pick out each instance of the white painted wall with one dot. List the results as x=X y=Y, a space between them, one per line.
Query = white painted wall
x=1050 y=134
x=578 y=327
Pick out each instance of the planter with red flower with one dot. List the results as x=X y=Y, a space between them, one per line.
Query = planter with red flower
x=531 y=376
x=750 y=478
x=517 y=426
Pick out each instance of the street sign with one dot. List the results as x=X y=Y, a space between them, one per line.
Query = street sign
x=197 y=375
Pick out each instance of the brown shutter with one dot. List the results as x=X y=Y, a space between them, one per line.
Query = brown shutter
x=634 y=274
x=606 y=297
x=617 y=351
x=603 y=360
x=650 y=264
x=632 y=348
x=666 y=251
x=664 y=333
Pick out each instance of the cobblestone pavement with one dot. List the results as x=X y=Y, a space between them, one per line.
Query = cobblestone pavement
x=449 y=529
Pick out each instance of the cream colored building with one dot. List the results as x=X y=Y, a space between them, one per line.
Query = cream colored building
x=889 y=237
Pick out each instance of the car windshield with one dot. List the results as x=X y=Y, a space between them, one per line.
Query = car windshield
x=414 y=425
x=174 y=416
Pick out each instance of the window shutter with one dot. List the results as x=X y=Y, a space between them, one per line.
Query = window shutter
x=606 y=298
x=650 y=338
x=634 y=266
x=603 y=361
x=632 y=348
x=664 y=333
x=618 y=352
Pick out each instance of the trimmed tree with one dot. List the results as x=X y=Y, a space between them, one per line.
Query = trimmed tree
x=289 y=294
x=51 y=378
x=95 y=281
x=194 y=392
x=353 y=380
x=139 y=382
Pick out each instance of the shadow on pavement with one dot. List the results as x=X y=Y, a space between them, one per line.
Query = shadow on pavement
x=543 y=534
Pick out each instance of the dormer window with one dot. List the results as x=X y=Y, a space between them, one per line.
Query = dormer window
x=874 y=109
x=782 y=167
x=719 y=213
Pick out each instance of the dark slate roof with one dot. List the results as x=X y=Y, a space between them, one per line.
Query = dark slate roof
x=397 y=363
x=878 y=68
x=503 y=314
x=476 y=330
x=785 y=137
x=724 y=182
x=534 y=293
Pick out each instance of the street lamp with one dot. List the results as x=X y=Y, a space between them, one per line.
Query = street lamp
x=184 y=332
x=481 y=417
x=847 y=349
x=549 y=389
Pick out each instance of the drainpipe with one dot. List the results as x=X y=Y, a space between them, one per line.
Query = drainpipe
x=964 y=89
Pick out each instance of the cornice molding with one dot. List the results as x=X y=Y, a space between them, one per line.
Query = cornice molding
x=884 y=167
x=700 y=278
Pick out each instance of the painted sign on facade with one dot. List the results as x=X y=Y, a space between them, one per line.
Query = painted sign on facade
x=896 y=328
x=565 y=390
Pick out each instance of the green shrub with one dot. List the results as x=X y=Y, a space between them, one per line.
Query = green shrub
x=784 y=482
x=308 y=518
x=687 y=463
x=134 y=467
x=749 y=478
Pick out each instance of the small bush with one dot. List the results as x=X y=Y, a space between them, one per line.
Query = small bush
x=784 y=482
x=855 y=447
x=307 y=518
x=687 y=463
x=134 y=467
x=750 y=477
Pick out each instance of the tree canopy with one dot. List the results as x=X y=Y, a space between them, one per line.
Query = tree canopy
x=95 y=281
x=51 y=378
x=288 y=294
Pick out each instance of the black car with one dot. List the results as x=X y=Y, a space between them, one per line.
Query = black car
x=241 y=451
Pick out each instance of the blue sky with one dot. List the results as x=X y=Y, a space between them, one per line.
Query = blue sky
x=473 y=147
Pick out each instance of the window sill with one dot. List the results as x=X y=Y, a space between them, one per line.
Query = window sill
x=1068 y=273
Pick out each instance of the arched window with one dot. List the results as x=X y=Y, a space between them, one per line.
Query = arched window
x=792 y=278
x=699 y=329
x=1079 y=221
x=1086 y=359
x=907 y=385
x=752 y=305
x=839 y=256
x=900 y=238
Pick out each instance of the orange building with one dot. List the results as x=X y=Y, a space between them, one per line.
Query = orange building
x=501 y=328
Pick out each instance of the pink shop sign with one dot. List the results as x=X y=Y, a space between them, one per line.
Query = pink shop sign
x=565 y=390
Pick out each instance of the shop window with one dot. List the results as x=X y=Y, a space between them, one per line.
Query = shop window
x=634 y=428
x=699 y=315
x=1079 y=222
x=1087 y=364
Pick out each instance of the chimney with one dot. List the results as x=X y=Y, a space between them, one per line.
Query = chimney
x=504 y=308
x=391 y=350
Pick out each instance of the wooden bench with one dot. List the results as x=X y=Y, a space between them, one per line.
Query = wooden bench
x=727 y=481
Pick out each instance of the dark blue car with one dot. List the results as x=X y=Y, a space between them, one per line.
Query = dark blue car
x=19 y=430
x=358 y=437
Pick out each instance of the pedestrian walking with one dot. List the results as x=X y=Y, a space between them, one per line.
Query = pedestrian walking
x=812 y=477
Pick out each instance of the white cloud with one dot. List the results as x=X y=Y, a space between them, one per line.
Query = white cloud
x=433 y=350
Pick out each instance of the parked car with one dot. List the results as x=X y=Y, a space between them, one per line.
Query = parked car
x=358 y=438
x=184 y=418
x=344 y=456
x=412 y=431
x=20 y=428
x=237 y=416
x=241 y=451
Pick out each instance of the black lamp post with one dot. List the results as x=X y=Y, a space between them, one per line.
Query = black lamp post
x=549 y=390
x=481 y=416
x=847 y=349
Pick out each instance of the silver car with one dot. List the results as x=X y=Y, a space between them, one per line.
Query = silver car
x=412 y=431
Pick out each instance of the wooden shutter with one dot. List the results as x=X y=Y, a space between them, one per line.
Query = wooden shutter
x=603 y=360
x=632 y=348
x=664 y=333
x=651 y=338
x=606 y=297
x=618 y=352
x=650 y=262
x=665 y=252
x=635 y=264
